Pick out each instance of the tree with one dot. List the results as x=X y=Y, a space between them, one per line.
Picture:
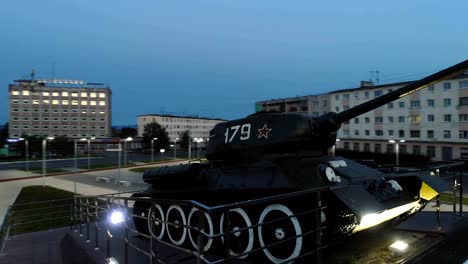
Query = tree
x=126 y=132
x=3 y=134
x=155 y=130
x=4 y=131
x=184 y=139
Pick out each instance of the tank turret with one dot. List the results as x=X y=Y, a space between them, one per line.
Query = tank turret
x=264 y=135
x=275 y=155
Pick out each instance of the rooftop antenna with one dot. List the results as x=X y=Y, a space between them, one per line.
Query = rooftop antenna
x=371 y=76
x=33 y=75
x=374 y=76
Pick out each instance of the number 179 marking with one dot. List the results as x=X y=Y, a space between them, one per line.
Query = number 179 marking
x=244 y=132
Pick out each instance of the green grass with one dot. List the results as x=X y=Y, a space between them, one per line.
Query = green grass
x=446 y=197
x=99 y=166
x=34 y=209
x=39 y=170
x=143 y=169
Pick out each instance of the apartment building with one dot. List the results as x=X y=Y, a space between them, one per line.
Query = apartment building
x=199 y=127
x=69 y=108
x=313 y=105
x=432 y=121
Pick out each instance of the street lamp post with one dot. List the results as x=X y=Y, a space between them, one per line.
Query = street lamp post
x=26 y=149
x=152 y=148
x=44 y=157
x=89 y=151
x=198 y=140
x=397 y=151
x=119 y=157
x=162 y=153
x=125 y=149
x=175 y=146
x=75 y=162
x=333 y=149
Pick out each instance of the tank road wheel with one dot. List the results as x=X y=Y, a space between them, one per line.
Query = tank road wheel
x=140 y=209
x=176 y=231
x=240 y=241
x=193 y=221
x=277 y=231
x=156 y=224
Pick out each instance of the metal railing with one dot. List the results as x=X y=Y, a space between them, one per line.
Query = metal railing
x=89 y=216
x=209 y=244
x=35 y=216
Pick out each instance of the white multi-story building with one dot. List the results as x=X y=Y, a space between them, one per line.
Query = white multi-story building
x=67 y=108
x=199 y=127
x=313 y=105
x=432 y=121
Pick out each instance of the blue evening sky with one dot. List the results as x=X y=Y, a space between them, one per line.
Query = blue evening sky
x=216 y=58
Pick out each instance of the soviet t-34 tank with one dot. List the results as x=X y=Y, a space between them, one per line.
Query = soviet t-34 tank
x=267 y=154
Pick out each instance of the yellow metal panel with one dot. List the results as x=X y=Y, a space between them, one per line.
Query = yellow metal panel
x=426 y=192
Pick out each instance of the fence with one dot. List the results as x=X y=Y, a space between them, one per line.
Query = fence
x=208 y=243
x=206 y=234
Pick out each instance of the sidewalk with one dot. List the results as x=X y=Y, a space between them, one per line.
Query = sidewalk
x=85 y=184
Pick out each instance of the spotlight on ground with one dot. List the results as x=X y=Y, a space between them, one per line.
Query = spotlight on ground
x=111 y=261
x=116 y=217
x=399 y=246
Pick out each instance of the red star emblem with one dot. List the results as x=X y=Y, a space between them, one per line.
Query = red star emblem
x=263 y=132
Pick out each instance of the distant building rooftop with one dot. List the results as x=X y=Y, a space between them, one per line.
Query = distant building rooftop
x=62 y=83
x=187 y=116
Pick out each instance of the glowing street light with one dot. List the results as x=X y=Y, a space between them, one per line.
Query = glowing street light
x=397 y=150
x=26 y=149
x=334 y=147
x=162 y=153
x=125 y=149
x=88 y=141
x=198 y=140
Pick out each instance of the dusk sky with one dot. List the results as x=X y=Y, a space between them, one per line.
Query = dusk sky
x=216 y=58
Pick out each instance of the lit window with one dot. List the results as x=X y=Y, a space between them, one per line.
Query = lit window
x=74 y=102
x=415 y=118
x=35 y=101
x=74 y=94
x=45 y=94
x=65 y=102
x=64 y=93
x=102 y=112
x=84 y=102
x=93 y=95
x=25 y=92
x=84 y=94
x=55 y=94
x=55 y=102
x=45 y=101
x=14 y=93
x=102 y=103
x=102 y=95
x=92 y=102
x=83 y=112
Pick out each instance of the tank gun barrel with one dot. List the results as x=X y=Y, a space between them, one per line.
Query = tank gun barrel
x=346 y=115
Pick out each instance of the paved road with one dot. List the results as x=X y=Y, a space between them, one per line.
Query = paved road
x=82 y=162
